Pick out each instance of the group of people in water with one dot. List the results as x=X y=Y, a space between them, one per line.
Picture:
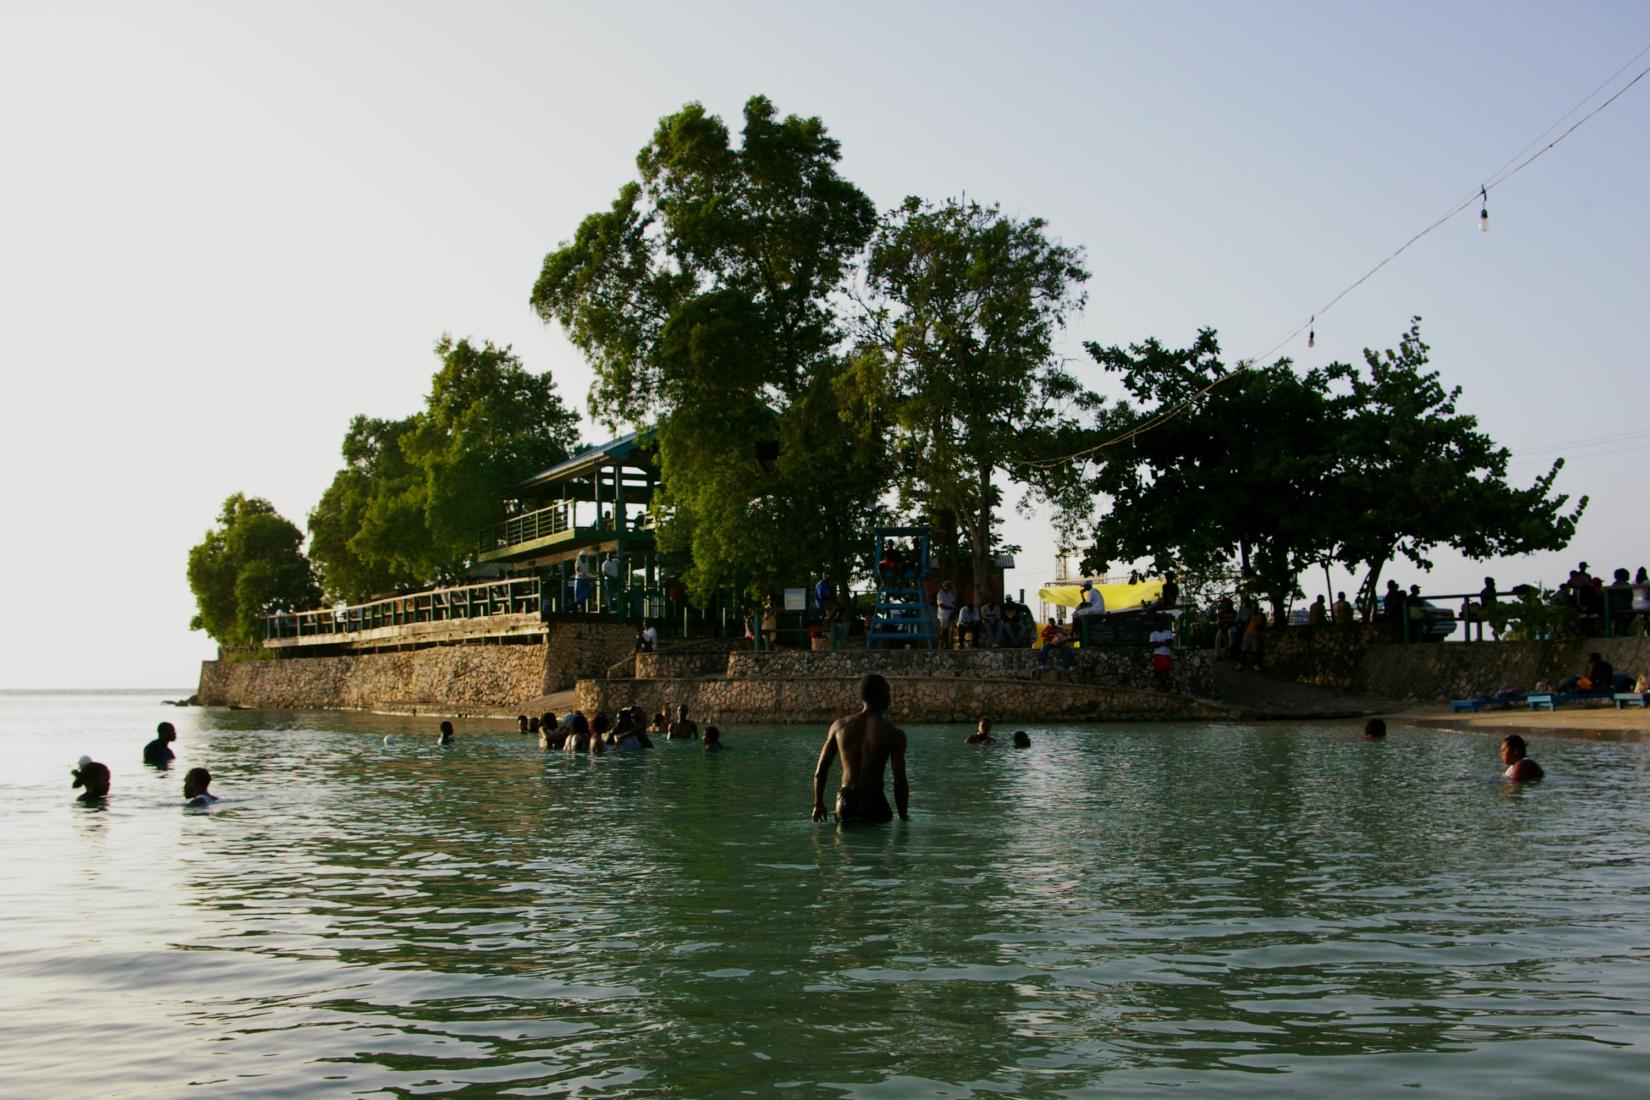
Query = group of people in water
x=576 y=732
x=866 y=743
x=93 y=778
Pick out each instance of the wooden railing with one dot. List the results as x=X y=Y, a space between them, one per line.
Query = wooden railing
x=528 y=527
x=518 y=596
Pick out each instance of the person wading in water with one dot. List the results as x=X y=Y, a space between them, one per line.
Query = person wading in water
x=867 y=742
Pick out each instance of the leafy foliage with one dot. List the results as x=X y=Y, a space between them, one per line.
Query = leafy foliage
x=1240 y=477
x=413 y=493
x=1418 y=474
x=963 y=355
x=375 y=469
x=1281 y=471
x=247 y=566
x=703 y=299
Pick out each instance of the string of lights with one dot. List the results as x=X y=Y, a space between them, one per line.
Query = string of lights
x=1508 y=169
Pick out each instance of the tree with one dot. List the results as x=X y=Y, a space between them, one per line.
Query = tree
x=1283 y=471
x=970 y=303
x=1416 y=473
x=247 y=566
x=374 y=465
x=414 y=493
x=1241 y=476
x=703 y=300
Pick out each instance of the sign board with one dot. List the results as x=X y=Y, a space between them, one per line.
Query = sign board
x=1115 y=630
x=796 y=599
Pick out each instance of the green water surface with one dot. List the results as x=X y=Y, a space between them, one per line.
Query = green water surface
x=1152 y=910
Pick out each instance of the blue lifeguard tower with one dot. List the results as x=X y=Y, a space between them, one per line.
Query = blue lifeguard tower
x=902 y=616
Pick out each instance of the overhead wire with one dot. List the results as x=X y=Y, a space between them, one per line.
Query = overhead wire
x=1500 y=176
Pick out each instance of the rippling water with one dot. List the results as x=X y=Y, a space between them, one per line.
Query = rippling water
x=1206 y=911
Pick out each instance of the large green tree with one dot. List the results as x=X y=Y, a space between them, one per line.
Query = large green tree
x=704 y=300
x=375 y=467
x=1277 y=472
x=969 y=304
x=1416 y=473
x=1240 y=478
x=414 y=494
x=248 y=565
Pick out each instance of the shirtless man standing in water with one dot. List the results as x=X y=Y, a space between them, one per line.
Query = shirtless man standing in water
x=866 y=742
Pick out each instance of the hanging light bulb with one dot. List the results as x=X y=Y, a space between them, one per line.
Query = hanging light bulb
x=1311 y=333
x=1484 y=210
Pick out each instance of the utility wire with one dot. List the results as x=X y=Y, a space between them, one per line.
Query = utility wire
x=1501 y=175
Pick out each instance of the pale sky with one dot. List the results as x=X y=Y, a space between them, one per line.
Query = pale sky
x=227 y=228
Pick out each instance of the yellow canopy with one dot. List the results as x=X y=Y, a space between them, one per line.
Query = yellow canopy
x=1118 y=597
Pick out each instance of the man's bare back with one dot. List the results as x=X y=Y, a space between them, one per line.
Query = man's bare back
x=866 y=743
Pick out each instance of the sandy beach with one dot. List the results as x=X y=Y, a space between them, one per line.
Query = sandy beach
x=1596 y=722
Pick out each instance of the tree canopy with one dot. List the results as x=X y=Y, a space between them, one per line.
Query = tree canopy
x=1279 y=471
x=414 y=494
x=704 y=300
x=247 y=566
x=962 y=352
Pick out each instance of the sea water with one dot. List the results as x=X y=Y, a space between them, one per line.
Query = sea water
x=1151 y=910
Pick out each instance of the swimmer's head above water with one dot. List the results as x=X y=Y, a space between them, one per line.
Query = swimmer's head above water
x=196 y=782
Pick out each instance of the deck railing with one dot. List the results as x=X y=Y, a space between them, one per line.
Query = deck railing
x=528 y=527
x=516 y=596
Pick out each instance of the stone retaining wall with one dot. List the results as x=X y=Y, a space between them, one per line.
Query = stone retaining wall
x=1435 y=673
x=1358 y=660
x=665 y=666
x=457 y=679
x=1115 y=668
x=460 y=679
x=819 y=699
x=580 y=650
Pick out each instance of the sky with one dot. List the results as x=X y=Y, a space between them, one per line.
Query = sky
x=227 y=228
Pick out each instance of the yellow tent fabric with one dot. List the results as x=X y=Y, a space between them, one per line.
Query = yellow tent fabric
x=1118 y=597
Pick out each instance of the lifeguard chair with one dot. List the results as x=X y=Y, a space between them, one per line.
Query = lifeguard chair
x=901 y=615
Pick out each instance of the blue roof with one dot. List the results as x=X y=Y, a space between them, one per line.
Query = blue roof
x=588 y=459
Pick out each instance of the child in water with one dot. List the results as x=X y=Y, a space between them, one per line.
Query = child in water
x=195 y=783
x=94 y=777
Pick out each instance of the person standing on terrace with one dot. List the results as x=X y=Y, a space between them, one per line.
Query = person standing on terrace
x=867 y=743
x=945 y=600
x=584 y=580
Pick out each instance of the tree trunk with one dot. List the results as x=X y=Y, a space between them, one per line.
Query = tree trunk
x=1369 y=592
x=980 y=538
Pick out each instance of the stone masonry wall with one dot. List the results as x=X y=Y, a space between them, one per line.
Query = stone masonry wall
x=455 y=678
x=581 y=650
x=654 y=666
x=824 y=698
x=1114 y=668
x=1356 y=660
x=1435 y=673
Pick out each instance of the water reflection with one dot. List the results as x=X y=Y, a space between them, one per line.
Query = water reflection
x=1119 y=910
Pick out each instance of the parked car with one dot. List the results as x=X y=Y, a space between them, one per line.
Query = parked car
x=1437 y=623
